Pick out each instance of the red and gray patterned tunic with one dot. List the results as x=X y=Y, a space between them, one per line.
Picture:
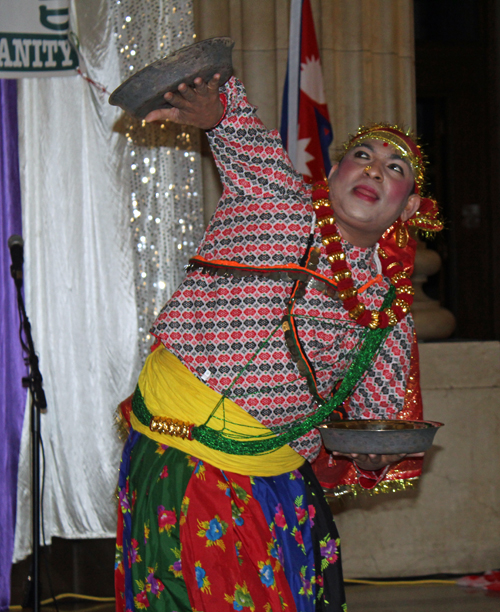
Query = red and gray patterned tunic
x=218 y=326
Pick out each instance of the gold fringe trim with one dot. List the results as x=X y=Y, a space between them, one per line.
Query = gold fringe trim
x=121 y=426
x=389 y=486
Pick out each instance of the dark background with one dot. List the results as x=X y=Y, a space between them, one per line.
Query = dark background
x=456 y=50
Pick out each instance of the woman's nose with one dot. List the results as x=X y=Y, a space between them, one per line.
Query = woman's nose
x=373 y=171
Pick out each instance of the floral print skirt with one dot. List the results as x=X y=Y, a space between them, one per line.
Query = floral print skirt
x=192 y=537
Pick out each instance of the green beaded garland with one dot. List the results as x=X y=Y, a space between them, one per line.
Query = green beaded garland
x=266 y=443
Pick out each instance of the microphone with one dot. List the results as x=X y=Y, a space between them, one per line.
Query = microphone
x=16 y=253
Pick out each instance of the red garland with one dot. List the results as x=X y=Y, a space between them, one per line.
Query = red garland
x=391 y=268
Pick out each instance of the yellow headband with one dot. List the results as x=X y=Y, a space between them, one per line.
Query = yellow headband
x=402 y=141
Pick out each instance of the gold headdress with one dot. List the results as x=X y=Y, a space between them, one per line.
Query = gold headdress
x=427 y=218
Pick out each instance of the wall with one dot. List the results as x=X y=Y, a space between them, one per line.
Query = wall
x=451 y=522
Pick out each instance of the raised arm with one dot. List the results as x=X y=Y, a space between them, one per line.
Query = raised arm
x=251 y=159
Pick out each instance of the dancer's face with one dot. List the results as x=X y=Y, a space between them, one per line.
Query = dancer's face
x=369 y=189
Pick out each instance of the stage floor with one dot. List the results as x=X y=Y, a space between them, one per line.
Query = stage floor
x=431 y=598
x=360 y=598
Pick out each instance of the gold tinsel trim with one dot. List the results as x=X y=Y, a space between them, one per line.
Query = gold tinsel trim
x=171 y=427
x=388 y=486
x=122 y=428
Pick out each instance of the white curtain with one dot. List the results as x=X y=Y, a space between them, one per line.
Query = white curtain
x=81 y=277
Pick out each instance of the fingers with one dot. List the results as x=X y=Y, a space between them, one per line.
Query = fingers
x=160 y=114
x=214 y=82
x=186 y=92
x=373 y=461
x=199 y=88
x=179 y=98
x=386 y=458
x=185 y=103
x=375 y=458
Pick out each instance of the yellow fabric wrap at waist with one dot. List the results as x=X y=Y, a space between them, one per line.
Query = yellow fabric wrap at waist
x=170 y=390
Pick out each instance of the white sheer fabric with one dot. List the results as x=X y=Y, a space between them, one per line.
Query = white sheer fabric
x=79 y=286
x=81 y=268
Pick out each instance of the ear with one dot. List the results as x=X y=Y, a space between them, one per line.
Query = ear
x=335 y=165
x=331 y=174
x=411 y=207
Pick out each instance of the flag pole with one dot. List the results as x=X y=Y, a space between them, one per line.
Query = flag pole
x=294 y=78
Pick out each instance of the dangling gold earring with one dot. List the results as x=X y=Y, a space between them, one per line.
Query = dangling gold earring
x=402 y=235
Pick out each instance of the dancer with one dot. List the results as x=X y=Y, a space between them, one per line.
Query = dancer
x=290 y=313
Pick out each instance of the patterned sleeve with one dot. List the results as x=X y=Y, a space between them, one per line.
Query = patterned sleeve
x=381 y=395
x=250 y=159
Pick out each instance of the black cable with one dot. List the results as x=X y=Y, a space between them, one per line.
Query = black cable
x=77 y=597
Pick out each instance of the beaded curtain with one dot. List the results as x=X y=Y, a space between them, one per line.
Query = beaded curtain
x=166 y=213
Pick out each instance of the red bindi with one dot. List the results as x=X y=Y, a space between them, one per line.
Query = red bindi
x=386 y=144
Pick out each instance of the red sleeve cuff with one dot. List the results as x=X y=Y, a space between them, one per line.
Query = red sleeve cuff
x=223 y=99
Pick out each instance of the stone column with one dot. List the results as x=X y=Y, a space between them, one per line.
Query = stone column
x=431 y=321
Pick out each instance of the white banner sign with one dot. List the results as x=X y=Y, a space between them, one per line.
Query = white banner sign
x=34 y=39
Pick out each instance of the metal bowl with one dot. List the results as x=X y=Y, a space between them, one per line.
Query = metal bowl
x=381 y=437
x=144 y=91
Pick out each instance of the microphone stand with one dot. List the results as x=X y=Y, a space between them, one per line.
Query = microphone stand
x=38 y=404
